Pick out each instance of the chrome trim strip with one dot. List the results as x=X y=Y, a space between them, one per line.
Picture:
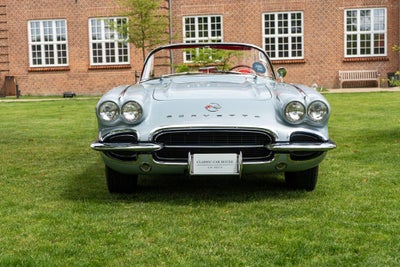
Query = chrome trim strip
x=292 y=147
x=213 y=146
x=139 y=147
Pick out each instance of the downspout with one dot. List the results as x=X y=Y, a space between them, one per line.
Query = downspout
x=170 y=35
x=170 y=20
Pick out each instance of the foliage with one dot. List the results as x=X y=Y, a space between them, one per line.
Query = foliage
x=394 y=80
x=147 y=23
x=208 y=57
x=56 y=210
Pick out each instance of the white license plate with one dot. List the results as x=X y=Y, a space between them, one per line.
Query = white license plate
x=214 y=164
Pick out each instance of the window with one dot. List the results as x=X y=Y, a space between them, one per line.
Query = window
x=107 y=45
x=48 y=43
x=365 y=32
x=201 y=29
x=283 y=35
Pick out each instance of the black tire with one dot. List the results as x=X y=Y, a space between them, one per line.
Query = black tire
x=120 y=183
x=306 y=180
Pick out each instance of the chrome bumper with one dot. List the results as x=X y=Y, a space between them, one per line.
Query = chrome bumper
x=139 y=147
x=304 y=147
x=277 y=147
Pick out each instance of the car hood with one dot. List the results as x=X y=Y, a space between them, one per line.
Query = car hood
x=203 y=102
x=202 y=87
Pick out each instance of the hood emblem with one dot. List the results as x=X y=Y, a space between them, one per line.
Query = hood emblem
x=213 y=107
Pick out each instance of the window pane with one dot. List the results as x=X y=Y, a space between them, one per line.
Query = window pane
x=297 y=47
x=62 y=54
x=283 y=24
x=379 y=20
x=96 y=29
x=48 y=31
x=36 y=55
x=351 y=20
x=379 y=43
x=61 y=31
x=110 y=52
x=351 y=44
x=365 y=20
x=270 y=47
x=49 y=54
x=123 y=52
x=35 y=31
x=216 y=27
x=203 y=27
x=269 y=26
x=296 y=23
x=365 y=44
x=97 y=53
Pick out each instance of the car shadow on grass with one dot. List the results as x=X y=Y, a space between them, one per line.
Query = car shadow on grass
x=91 y=185
x=181 y=188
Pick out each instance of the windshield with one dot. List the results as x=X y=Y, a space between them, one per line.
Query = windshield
x=217 y=58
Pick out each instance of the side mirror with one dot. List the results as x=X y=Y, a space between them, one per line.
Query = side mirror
x=281 y=73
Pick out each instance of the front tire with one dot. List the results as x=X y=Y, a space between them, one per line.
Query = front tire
x=306 y=180
x=120 y=183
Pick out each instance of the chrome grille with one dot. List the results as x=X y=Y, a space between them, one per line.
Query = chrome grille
x=178 y=143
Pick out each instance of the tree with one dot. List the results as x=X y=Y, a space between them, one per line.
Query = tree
x=147 y=24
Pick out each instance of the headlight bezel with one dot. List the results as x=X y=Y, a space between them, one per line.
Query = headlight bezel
x=127 y=115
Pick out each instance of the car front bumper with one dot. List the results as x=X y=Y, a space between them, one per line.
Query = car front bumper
x=144 y=163
x=283 y=147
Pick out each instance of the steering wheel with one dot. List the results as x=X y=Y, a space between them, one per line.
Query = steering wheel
x=244 y=69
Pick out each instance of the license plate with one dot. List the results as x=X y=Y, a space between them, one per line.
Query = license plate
x=215 y=164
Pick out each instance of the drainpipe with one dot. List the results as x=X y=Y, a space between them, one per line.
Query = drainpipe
x=170 y=20
x=170 y=34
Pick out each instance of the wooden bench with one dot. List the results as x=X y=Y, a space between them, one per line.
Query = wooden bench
x=358 y=75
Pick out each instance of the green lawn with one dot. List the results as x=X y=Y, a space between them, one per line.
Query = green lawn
x=56 y=210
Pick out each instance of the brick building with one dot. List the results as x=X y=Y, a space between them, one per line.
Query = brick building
x=49 y=47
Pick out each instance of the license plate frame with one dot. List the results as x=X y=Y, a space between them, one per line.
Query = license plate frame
x=215 y=164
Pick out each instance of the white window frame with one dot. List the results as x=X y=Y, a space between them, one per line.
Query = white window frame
x=106 y=36
x=48 y=43
x=210 y=36
x=358 y=32
x=289 y=35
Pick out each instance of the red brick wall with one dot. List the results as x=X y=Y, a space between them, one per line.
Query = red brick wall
x=79 y=78
x=323 y=33
x=242 y=22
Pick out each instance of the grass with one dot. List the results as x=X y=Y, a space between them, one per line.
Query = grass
x=56 y=211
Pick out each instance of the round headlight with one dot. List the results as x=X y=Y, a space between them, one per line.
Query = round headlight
x=318 y=111
x=108 y=111
x=132 y=111
x=295 y=111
